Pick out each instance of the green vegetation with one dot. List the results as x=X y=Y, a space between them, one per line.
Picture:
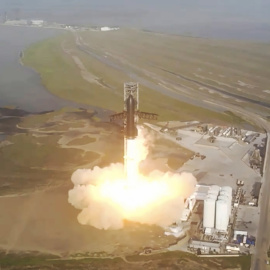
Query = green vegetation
x=31 y=162
x=62 y=77
x=24 y=259
x=42 y=152
x=35 y=260
x=172 y=109
x=38 y=120
x=236 y=120
x=33 y=158
x=82 y=141
x=63 y=68
x=169 y=260
x=205 y=263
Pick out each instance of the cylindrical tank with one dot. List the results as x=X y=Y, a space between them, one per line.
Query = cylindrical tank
x=213 y=191
x=222 y=215
x=228 y=194
x=229 y=203
x=212 y=196
x=227 y=189
x=209 y=212
x=223 y=197
x=215 y=187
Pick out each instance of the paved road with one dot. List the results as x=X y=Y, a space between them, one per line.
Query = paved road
x=182 y=94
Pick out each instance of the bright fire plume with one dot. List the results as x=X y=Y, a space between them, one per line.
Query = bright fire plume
x=108 y=196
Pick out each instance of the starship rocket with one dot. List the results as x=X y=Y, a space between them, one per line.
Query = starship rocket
x=130 y=117
x=131 y=112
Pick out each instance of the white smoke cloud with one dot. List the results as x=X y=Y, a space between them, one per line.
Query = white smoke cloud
x=106 y=198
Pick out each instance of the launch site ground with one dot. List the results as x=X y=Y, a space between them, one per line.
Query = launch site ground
x=222 y=83
x=37 y=216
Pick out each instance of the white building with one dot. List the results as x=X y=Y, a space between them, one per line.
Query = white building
x=217 y=209
x=106 y=28
x=209 y=211
x=37 y=23
x=222 y=213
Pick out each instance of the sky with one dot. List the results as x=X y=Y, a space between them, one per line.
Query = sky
x=247 y=19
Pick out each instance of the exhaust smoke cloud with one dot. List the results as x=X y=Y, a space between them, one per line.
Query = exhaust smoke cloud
x=108 y=196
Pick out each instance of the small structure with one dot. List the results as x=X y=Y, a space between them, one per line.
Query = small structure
x=204 y=246
x=16 y=22
x=106 y=28
x=232 y=248
x=256 y=190
x=239 y=232
x=38 y=23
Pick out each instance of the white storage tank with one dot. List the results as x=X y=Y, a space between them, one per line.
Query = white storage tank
x=213 y=191
x=229 y=202
x=212 y=196
x=226 y=193
x=222 y=215
x=209 y=212
x=223 y=197
x=215 y=187
x=227 y=189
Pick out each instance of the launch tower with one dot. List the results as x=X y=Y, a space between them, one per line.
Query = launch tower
x=130 y=117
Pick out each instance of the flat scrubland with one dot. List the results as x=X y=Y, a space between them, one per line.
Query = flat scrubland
x=176 y=73
x=169 y=261
x=37 y=160
x=41 y=151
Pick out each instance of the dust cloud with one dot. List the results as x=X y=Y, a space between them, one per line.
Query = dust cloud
x=106 y=197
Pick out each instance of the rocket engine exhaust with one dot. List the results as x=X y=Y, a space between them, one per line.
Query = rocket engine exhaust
x=110 y=195
x=130 y=117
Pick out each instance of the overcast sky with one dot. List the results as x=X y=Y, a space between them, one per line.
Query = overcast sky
x=227 y=18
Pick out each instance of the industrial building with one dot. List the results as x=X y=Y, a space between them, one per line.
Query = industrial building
x=38 y=23
x=216 y=232
x=217 y=209
x=204 y=246
x=223 y=208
